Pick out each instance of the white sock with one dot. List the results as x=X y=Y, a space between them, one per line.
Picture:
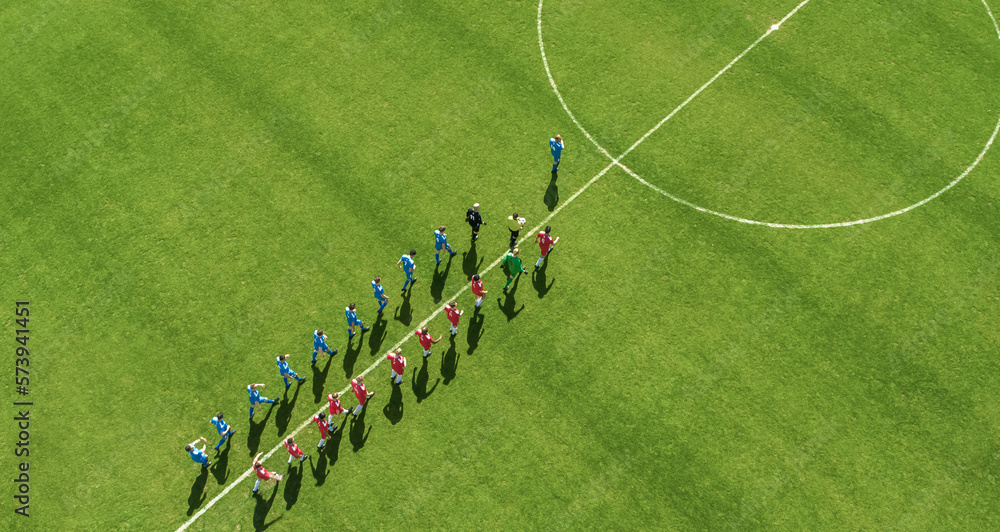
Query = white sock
x=399 y=380
x=479 y=302
x=539 y=263
x=257 y=485
x=329 y=418
x=290 y=459
x=393 y=376
x=322 y=441
x=358 y=409
x=427 y=353
x=454 y=330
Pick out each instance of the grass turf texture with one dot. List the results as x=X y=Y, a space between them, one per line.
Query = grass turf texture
x=194 y=188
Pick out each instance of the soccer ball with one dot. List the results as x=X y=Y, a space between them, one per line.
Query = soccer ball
x=521 y=220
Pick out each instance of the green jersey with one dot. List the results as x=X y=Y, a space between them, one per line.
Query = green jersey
x=513 y=264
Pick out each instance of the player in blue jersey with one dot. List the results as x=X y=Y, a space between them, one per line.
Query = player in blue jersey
x=441 y=241
x=319 y=343
x=352 y=320
x=287 y=371
x=407 y=264
x=556 y=145
x=224 y=429
x=198 y=455
x=255 y=398
x=379 y=294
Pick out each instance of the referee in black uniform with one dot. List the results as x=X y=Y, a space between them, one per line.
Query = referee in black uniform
x=475 y=220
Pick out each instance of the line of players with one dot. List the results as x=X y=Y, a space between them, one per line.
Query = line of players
x=511 y=261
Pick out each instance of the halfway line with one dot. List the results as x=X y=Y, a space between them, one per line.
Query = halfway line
x=378 y=361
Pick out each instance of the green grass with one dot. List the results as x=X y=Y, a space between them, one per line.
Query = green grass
x=192 y=188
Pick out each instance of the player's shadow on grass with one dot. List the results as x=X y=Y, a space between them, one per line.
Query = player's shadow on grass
x=351 y=353
x=475 y=331
x=220 y=466
x=551 y=197
x=284 y=415
x=293 y=483
x=358 y=435
x=319 y=378
x=261 y=510
x=256 y=429
x=319 y=469
x=329 y=453
x=404 y=312
x=437 y=282
x=419 y=383
x=449 y=362
x=393 y=410
x=538 y=279
x=198 y=496
x=377 y=335
x=469 y=265
x=332 y=450
x=507 y=304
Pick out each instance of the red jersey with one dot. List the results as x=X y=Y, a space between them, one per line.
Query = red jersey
x=453 y=315
x=359 y=391
x=335 y=408
x=293 y=449
x=544 y=242
x=262 y=473
x=324 y=427
x=425 y=340
x=397 y=362
x=477 y=288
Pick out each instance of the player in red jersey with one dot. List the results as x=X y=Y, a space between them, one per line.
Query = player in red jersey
x=335 y=408
x=426 y=340
x=324 y=430
x=362 y=393
x=477 y=290
x=262 y=474
x=453 y=315
x=545 y=243
x=398 y=364
x=294 y=451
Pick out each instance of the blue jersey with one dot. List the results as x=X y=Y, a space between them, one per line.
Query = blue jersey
x=352 y=317
x=254 y=395
x=318 y=341
x=220 y=425
x=283 y=366
x=440 y=240
x=556 y=147
x=197 y=454
x=407 y=263
x=379 y=292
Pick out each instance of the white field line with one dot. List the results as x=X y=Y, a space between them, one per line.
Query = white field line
x=616 y=160
x=378 y=361
x=770 y=30
x=375 y=364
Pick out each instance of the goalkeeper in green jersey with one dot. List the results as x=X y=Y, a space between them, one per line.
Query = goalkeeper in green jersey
x=514 y=268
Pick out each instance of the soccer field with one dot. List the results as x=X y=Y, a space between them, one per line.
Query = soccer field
x=772 y=305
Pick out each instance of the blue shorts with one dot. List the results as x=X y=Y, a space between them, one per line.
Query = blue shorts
x=439 y=246
x=352 y=323
x=409 y=274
